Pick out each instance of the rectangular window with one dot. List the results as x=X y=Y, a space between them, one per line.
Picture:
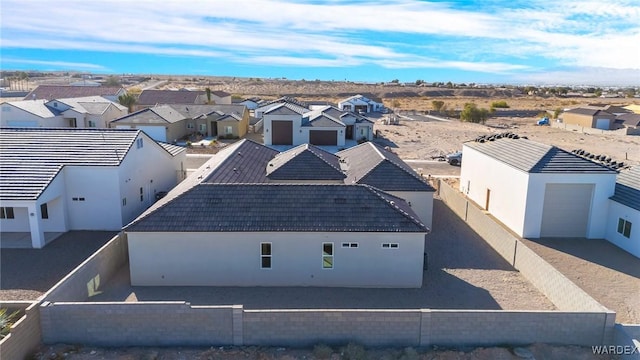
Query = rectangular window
x=327 y=255
x=81 y=199
x=390 y=245
x=141 y=195
x=228 y=130
x=349 y=245
x=44 y=211
x=203 y=128
x=74 y=199
x=189 y=126
x=6 y=213
x=92 y=124
x=124 y=201
x=139 y=143
x=624 y=227
x=265 y=255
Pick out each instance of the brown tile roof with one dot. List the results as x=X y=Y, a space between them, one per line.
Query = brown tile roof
x=152 y=97
x=50 y=92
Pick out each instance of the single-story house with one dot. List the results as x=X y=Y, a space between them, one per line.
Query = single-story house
x=537 y=190
x=360 y=104
x=251 y=103
x=264 y=106
x=590 y=117
x=623 y=223
x=56 y=180
x=251 y=216
x=51 y=92
x=82 y=112
x=631 y=121
x=220 y=97
x=175 y=121
x=150 y=98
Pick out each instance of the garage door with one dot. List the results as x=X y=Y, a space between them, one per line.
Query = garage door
x=282 y=132
x=566 y=210
x=158 y=133
x=323 y=137
x=602 y=124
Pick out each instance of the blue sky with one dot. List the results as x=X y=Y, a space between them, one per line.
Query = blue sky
x=491 y=41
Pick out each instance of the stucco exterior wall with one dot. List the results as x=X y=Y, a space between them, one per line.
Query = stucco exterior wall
x=616 y=212
x=98 y=186
x=363 y=130
x=603 y=189
x=578 y=119
x=234 y=259
x=10 y=114
x=421 y=202
x=508 y=187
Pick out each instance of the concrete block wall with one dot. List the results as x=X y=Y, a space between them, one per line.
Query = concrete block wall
x=25 y=334
x=309 y=327
x=500 y=239
x=139 y=324
x=93 y=272
x=451 y=197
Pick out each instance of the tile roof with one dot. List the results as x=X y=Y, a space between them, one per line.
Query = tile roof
x=232 y=116
x=153 y=97
x=172 y=149
x=219 y=93
x=628 y=188
x=321 y=120
x=31 y=157
x=369 y=164
x=589 y=110
x=271 y=207
x=305 y=162
x=90 y=104
x=35 y=107
x=50 y=92
x=242 y=162
x=161 y=114
x=193 y=111
x=281 y=106
x=630 y=119
x=533 y=157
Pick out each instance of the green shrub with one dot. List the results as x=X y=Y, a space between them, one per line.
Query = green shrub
x=353 y=351
x=6 y=321
x=322 y=351
x=499 y=104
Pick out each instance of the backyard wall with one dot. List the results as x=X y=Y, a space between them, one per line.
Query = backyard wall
x=25 y=334
x=590 y=130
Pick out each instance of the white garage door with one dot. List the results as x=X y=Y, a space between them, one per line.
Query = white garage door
x=566 y=210
x=602 y=124
x=158 y=133
x=22 y=123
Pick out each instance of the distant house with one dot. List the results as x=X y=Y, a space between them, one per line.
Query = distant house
x=623 y=222
x=590 y=117
x=289 y=124
x=251 y=104
x=84 y=112
x=150 y=98
x=175 y=121
x=360 y=104
x=631 y=121
x=51 y=92
x=251 y=216
x=56 y=180
x=537 y=190
x=220 y=97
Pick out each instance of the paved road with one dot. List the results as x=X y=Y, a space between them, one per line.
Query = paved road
x=434 y=168
x=421 y=117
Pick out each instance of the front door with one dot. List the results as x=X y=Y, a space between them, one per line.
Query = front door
x=350 y=132
x=214 y=128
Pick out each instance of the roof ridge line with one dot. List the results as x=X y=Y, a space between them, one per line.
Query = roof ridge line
x=377 y=191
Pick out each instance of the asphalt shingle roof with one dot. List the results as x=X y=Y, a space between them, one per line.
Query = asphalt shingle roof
x=50 y=92
x=305 y=162
x=628 y=188
x=533 y=157
x=243 y=162
x=369 y=164
x=152 y=97
x=30 y=158
x=271 y=207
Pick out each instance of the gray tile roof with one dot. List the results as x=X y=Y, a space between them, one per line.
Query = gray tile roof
x=172 y=149
x=50 y=92
x=305 y=162
x=30 y=158
x=35 y=107
x=283 y=108
x=589 y=110
x=243 y=162
x=629 y=119
x=194 y=111
x=370 y=164
x=533 y=157
x=321 y=120
x=161 y=114
x=628 y=188
x=220 y=93
x=153 y=97
x=271 y=207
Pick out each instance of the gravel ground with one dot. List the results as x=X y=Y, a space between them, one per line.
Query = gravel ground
x=28 y=273
x=607 y=273
x=464 y=273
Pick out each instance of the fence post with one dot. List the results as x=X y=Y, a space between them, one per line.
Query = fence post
x=237 y=325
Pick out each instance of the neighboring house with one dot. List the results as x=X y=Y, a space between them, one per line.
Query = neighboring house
x=590 y=117
x=83 y=112
x=623 y=225
x=360 y=104
x=175 y=121
x=220 y=97
x=150 y=98
x=537 y=190
x=630 y=121
x=289 y=124
x=51 y=92
x=56 y=180
x=251 y=104
x=251 y=216
x=264 y=106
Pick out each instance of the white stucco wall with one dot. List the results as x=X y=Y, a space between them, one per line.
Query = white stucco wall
x=55 y=198
x=366 y=128
x=233 y=259
x=617 y=211
x=9 y=115
x=508 y=187
x=421 y=202
x=98 y=185
x=20 y=222
x=298 y=136
x=604 y=188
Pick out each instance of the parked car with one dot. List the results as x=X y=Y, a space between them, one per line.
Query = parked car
x=543 y=121
x=454 y=158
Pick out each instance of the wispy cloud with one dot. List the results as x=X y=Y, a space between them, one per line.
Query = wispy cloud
x=57 y=64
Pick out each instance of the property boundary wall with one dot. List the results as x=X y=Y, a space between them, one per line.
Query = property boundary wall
x=25 y=335
x=588 y=130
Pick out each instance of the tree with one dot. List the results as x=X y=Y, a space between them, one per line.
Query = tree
x=473 y=114
x=556 y=113
x=112 y=81
x=450 y=85
x=438 y=105
x=598 y=92
x=419 y=82
x=127 y=100
x=499 y=105
x=395 y=81
x=208 y=91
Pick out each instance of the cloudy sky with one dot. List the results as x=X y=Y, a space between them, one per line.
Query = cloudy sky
x=484 y=41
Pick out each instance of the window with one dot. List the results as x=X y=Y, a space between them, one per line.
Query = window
x=81 y=199
x=92 y=124
x=265 y=255
x=74 y=199
x=390 y=245
x=189 y=126
x=327 y=255
x=228 y=130
x=44 y=211
x=124 y=201
x=139 y=143
x=624 y=227
x=6 y=213
x=203 y=128
x=141 y=195
x=349 y=245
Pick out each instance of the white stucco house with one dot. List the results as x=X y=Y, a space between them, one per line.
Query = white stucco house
x=537 y=190
x=83 y=112
x=623 y=222
x=252 y=216
x=359 y=103
x=56 y=180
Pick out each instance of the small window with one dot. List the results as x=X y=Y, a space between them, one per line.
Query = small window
x=624 y=227
x=265 y=255
x=81 y=199
x=139 y=143
x=228 y=130
x=390 y=246
x=44 y=211
x=189 y=126
x=92 y=124
x=6 y=213
x=327 y=255
x=74 y=199
x=203 y=128
x=124 y=201
x=349 y=245
x=141 y=195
